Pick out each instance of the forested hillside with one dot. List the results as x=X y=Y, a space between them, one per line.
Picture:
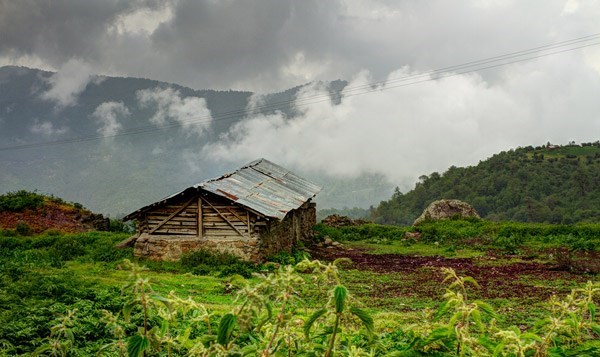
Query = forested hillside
x=555 y=184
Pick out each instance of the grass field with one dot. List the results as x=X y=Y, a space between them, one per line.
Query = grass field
x=398 y=282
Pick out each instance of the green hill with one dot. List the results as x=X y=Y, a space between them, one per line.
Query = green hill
x=554 y=184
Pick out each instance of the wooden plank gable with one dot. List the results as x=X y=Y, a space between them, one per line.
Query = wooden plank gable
x=202 y=215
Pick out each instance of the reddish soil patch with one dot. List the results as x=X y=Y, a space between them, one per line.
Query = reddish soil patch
x=62 y=217
x=421 y=276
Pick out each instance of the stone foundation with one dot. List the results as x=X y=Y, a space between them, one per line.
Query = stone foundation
x=173 y=247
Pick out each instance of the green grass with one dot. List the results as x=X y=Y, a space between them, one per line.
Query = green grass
x=46 y=275
x=567 y=150
x=209 y=289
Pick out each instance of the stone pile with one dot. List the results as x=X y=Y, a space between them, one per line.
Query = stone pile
x=329 y=243
x=336 y=221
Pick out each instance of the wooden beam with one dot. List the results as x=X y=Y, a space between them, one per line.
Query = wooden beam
x=171 y=216
x=235 y=214
x=248 y=220
x=200 y=228
x=225 y=218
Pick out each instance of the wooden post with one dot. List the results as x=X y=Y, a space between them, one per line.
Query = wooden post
x=200 y=224
x=248 y=220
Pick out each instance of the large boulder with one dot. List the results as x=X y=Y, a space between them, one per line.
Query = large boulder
x=445 y=209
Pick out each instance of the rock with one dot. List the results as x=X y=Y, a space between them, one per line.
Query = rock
x=336 y=244
x=412 y=235
x=445 y=209
x=337 y=221
x=328 y=241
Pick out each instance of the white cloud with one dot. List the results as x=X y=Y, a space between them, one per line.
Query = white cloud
x=571 y=6
x=143 y=20
x=191 y=112
x=66 y=84
x=107 y=115
x=47 y=128
x=408 y=131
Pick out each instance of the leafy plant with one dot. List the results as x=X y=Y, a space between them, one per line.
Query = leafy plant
x=61 y=337
x=338 y=309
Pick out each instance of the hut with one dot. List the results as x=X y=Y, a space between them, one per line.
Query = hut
x=254 y=212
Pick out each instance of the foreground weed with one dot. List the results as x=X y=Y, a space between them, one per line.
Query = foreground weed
x=465 y=325
x=271 y=318
x=571 y=327
x=61 y=337
x=470 y=327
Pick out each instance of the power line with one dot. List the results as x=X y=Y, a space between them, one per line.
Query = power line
x=348 y=91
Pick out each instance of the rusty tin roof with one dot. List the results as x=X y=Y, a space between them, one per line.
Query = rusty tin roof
x=261 y=186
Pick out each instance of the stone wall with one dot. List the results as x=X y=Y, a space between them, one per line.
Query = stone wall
x=161 y=247
x=282 y=236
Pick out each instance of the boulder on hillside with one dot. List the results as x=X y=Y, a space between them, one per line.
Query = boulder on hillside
x=445 y=209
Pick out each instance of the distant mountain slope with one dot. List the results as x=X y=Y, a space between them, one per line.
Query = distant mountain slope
x=118 y=175
x=556 y=184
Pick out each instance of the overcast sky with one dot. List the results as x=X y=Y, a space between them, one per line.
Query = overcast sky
x=268 y=46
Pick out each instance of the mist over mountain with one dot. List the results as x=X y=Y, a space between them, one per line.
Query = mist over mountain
x=149 y=138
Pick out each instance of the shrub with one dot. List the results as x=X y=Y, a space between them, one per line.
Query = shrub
x=23 y=229
x=241 y=268
x=510 y=245
x=203 y=262
x=109 y=253
x=117 y=225
x=11 y=243
x=207 y=257
x=285 y=258
x=20 y=200
x=362 y=232
x=68 y=248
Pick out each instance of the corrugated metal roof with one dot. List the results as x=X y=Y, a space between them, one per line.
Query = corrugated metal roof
x=262 y=186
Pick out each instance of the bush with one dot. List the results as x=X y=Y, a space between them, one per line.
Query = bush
x=241 y=268
x=285 y=258
x=117 y=225
x=23 y=229
x=204 y=262
x=68 y=248
x=12 y=243
x=207 y=257
x=20 y=200
x=105 y=251
x=362 y=232
x=510 y=245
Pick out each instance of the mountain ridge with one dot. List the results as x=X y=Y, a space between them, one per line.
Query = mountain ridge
x=118 y=175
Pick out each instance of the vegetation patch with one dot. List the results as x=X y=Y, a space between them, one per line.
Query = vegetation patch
x=26 y=213
x=549 y=184
x=73 y=294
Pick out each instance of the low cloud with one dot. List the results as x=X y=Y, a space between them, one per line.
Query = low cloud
x=408 y=131
x=66 y=84
x=108 y=114
x=46 y=128
x=191 y=112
